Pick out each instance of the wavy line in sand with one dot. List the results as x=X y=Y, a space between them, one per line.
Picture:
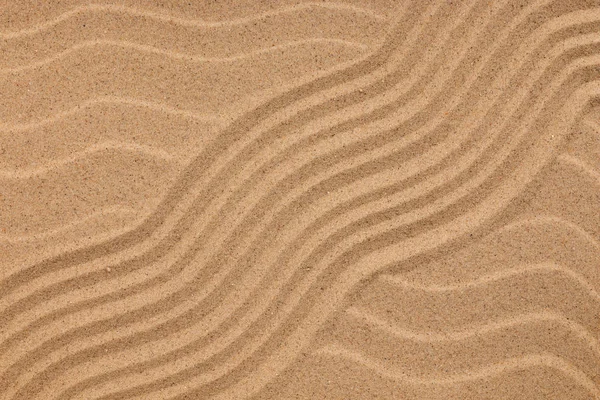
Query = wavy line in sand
x=48 y=234
x=185 y=21
x=485 y=337
x=133 y=148
x=543 y=240
x=89 y=103
x=552 y=220
x=115 y=71
x=476 y=330
x=528 y=285
x=178 y=56
x=582 y=165
x=518 y=363
x=495 y=277
x=198 y=43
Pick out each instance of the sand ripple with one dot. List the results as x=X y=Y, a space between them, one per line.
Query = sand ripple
x=314 y=200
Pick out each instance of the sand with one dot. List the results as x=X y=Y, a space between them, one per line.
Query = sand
x=285 y=199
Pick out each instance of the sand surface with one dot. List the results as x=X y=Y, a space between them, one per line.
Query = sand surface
x=287 y=199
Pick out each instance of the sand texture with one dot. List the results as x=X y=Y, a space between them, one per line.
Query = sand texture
x=288 y=199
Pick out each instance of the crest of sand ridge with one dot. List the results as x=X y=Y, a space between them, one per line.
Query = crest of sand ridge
x=308 y=199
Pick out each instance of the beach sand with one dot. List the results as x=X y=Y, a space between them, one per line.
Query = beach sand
x=286 y=199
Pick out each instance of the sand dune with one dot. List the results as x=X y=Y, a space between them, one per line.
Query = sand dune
x=300 y=200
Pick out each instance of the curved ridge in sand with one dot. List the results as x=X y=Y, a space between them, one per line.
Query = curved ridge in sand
x=96 y=24
x=501 y=368
x=177 y=56
x=515 y=272
x=189 y=22
x=70 y=225
x=99 y=148
x=478 y=330
x=108 y=100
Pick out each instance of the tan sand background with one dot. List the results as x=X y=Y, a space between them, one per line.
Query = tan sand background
x=285 y=199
